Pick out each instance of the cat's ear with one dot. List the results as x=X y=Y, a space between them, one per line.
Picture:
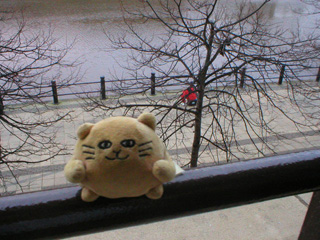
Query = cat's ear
x=148 y=119
x=84 y=130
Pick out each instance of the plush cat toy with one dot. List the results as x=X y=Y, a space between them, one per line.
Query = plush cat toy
x=120 y=157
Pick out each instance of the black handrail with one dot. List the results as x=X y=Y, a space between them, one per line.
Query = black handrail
x=56 y=213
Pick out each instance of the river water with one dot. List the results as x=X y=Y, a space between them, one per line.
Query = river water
x=84 y=21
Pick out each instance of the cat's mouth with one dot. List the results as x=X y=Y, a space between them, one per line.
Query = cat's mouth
x=117 y=158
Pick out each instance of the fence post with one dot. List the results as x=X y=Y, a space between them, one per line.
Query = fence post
x=236 y=78
x=103 y=88
x=243 y=75
x=281 y=74
x=153 y=84
x=1 y=106
x=318 y=76
x=54 y=92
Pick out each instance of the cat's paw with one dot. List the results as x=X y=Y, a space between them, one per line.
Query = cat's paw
x=87 y=195
x=75 y=171
x=164 y=170
x=155 y=193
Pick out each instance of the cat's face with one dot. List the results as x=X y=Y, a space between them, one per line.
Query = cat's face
x=123 y=150
x=114 y=140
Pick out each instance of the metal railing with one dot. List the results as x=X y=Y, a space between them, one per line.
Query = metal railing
x=56 y=91
x=61 y=212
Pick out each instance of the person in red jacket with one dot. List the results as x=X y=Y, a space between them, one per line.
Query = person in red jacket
x=189 y=95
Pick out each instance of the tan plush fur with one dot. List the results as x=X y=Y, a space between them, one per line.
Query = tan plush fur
x=120 y=157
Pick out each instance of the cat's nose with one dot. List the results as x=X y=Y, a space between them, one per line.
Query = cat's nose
x=116 y=152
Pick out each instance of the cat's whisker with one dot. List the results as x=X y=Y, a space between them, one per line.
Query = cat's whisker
x=144 y=155
x=142 y=144
x=142 y=150
x=87 y=146
x=92 y=153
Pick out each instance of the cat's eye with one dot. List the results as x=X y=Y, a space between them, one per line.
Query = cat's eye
x=105 y=144
x=128 y=143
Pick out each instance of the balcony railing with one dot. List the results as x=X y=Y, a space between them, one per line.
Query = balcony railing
x=61 y=212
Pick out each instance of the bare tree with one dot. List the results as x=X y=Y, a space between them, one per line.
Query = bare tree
x=29 y=61
x=315 y=4
x=216 y=45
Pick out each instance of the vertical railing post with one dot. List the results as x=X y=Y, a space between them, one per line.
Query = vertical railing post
x=54 y=92
x=243 y=76
x=281 y=74
x=318 y=76
x=153 y=84
x=236 y=78
x=103 y=88
x=2 y=160
x=1 y=105
x=311 y=226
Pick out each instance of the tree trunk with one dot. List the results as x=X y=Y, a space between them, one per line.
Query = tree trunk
x=197 y=129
